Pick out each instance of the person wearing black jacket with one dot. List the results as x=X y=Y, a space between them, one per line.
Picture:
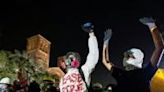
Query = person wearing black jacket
x=134 y=77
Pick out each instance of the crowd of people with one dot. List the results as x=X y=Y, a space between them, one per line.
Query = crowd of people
x=133 y=77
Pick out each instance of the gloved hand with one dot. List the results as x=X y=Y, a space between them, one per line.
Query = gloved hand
x=107 y=36
x=149 y=21
x=88 y=27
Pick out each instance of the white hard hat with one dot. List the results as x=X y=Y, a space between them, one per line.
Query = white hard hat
x=137 y=53
x=5 y=80
x=138 y=57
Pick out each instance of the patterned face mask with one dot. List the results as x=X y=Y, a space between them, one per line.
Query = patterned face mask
x=133 y=59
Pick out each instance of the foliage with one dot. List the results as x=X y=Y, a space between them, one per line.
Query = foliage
x=12 y=63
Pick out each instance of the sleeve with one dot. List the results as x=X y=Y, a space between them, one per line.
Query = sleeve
x=149 y=71
x=92 y=58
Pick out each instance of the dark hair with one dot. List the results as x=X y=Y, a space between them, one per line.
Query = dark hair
x=59 y=60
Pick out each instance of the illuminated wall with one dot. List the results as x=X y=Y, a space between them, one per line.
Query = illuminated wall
x=39 y=48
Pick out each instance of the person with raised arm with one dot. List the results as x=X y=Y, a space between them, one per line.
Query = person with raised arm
x=134 y=77
x=74 y=80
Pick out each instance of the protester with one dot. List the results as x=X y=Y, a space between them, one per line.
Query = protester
x=134 y=77
x=74 y=80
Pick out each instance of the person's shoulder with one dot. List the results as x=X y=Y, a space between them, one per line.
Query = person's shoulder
x=117 y=68
x=117 y=71
x=149 y=66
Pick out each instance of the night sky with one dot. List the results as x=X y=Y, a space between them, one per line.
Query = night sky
x=60 y=22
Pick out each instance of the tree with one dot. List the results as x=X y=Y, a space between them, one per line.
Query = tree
x=18 y=65
x=7 y=68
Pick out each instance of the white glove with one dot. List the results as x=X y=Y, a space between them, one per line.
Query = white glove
x=107 y=36
x=149 y=21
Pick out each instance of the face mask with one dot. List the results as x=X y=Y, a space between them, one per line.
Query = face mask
x=131 y=65
x=75 y=63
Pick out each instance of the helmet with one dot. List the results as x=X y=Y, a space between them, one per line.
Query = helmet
x=5 y=80
x=133 y=57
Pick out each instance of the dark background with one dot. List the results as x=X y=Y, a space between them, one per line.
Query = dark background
x=60 y=22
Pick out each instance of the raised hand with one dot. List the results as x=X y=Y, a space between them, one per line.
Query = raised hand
x=105 y=53
x=107 y=34
x=88 y=27
x=149 y=21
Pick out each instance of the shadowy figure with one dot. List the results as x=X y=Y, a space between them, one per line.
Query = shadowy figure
x=34 y=87
x=134 y=77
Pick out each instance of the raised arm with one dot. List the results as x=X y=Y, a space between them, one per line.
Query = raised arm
x=93 y=55
x=157 y=39
x=105 y=52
